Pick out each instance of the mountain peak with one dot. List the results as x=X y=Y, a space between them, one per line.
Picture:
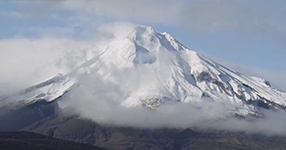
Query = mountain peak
x=151 y=69
x=144 y=28
x=143 y=34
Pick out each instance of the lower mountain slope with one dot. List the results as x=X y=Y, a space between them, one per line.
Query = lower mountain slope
x=67 y=125
x=32 y=141
x=75 y=128
x=15 y=116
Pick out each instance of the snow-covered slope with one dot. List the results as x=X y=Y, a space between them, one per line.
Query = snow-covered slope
x=157 y=69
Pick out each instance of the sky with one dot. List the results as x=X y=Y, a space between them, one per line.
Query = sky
x=246 y=35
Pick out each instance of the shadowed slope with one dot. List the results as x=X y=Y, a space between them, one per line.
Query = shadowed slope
x=33 y=141
x=126 y=138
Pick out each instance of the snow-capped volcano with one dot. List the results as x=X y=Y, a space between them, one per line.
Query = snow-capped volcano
x=154 y=68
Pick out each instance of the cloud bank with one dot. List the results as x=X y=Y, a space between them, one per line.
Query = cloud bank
x=25 y=62
x=100 y=100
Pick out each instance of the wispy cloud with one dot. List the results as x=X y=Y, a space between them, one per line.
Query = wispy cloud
x=237 y=20
x=204 y=15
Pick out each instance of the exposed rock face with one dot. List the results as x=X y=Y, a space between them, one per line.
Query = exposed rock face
x=15 y=117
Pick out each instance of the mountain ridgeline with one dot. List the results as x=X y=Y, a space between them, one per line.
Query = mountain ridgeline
x=161 y=70
x=142 y=69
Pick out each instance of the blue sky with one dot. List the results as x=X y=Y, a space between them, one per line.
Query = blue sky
x=243 y=34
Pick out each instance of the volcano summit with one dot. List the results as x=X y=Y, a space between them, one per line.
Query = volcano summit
x=145 y=68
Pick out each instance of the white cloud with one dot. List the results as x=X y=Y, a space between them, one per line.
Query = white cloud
x=116 y=29
x=100 y=100
x=27 y=61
